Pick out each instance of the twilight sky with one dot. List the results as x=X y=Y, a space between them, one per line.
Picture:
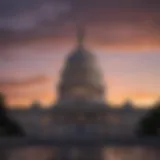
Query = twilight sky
x=37 y=35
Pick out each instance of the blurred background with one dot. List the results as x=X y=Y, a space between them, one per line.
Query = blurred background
x=80 y=70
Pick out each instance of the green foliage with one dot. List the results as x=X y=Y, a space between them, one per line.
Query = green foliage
x=150 y=124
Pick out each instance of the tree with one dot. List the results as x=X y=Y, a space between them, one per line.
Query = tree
x=8 y=127
x=150 y=124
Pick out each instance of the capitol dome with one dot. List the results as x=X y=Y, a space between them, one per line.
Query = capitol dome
x=81 y=77
x=81 y=55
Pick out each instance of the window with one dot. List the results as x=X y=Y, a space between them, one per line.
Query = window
x=115 y=119
x=79 y=91
x=45 y=120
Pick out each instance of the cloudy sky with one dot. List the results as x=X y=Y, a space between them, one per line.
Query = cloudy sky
x=37 y=35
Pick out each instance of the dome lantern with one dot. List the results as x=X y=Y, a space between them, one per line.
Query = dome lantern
x=80 y=37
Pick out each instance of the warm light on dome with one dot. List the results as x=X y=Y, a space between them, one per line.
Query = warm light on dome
x=79 y=91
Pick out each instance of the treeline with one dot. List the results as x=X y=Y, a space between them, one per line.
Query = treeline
x=150 y=124
x=8 y=127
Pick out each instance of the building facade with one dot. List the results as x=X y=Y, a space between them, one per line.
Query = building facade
x=39 y=122
x=80 y=108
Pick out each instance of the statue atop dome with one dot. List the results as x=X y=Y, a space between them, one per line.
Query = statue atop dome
x=80 y=36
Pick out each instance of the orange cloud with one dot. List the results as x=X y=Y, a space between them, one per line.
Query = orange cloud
x=24 y=92
x=139 y=97
x=144 y=97
x=25 y=99
x=22 y=83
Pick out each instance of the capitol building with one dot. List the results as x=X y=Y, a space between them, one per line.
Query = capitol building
x=80 y=108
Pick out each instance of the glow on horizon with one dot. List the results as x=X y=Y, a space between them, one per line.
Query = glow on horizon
x=129 y=73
